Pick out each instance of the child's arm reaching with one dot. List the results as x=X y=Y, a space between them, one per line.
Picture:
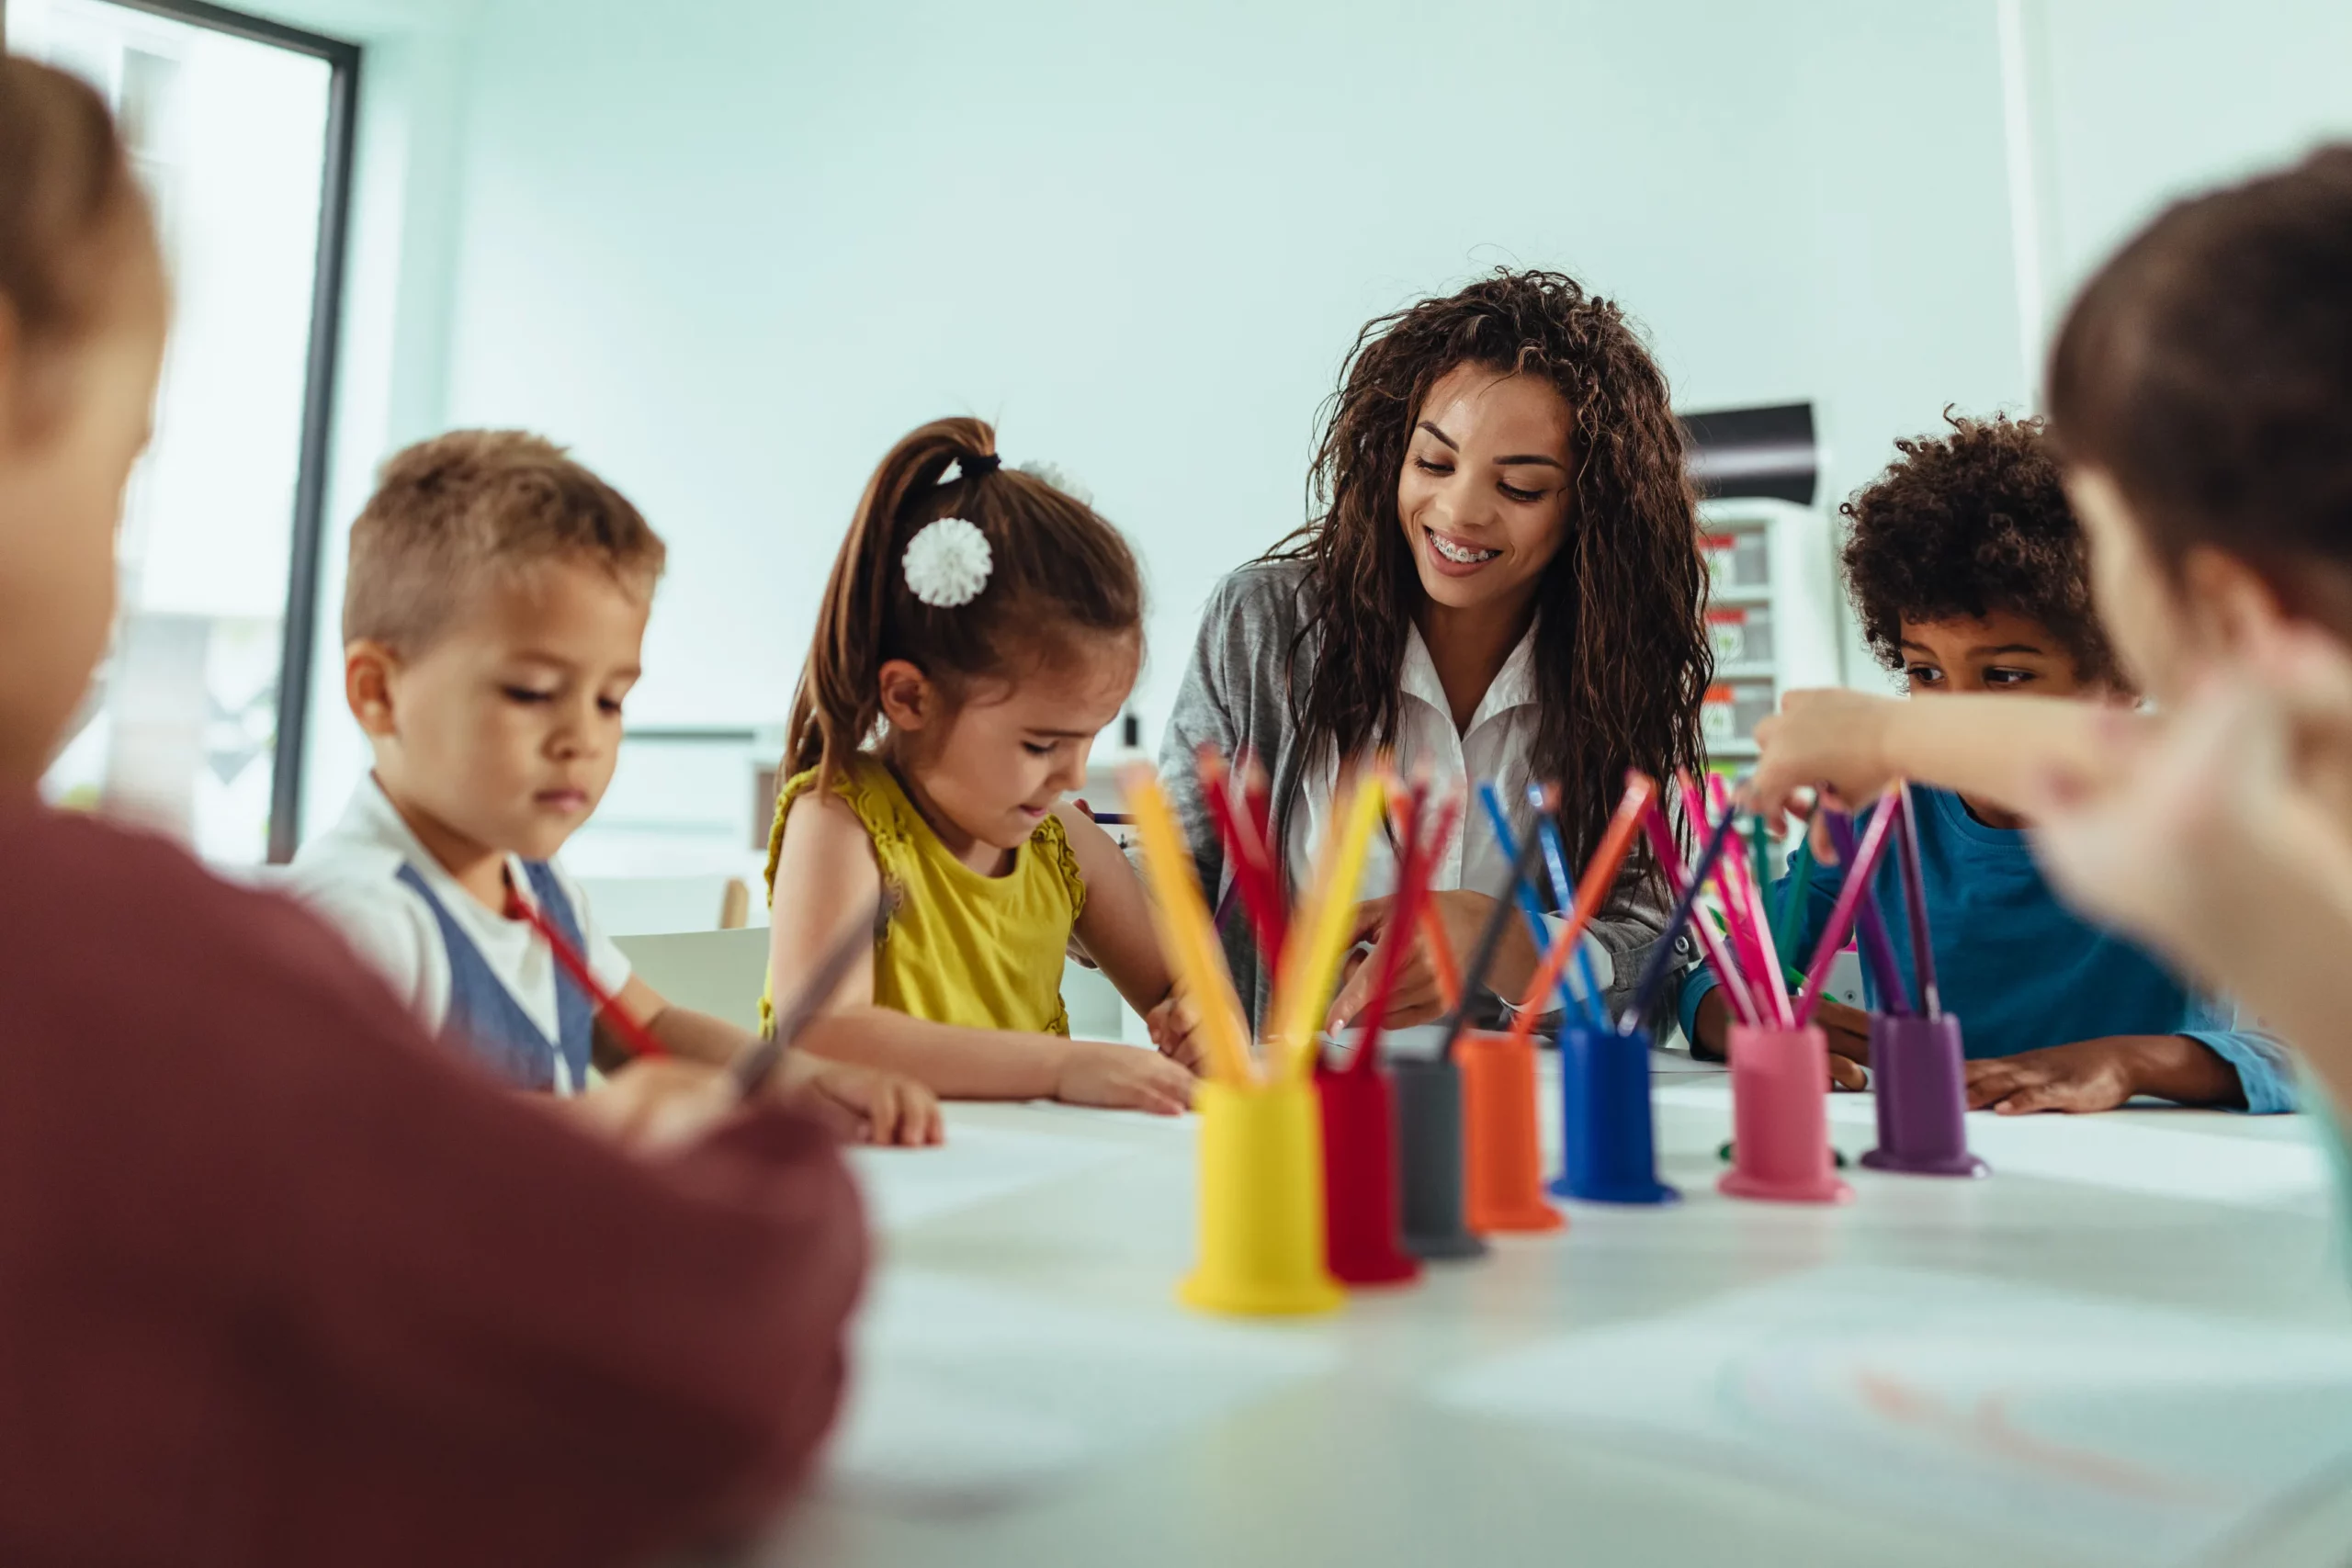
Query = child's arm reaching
x=826 y=852
x=857 y=1102
x=2002 y=750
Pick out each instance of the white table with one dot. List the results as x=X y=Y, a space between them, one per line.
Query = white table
x=1030 y=1393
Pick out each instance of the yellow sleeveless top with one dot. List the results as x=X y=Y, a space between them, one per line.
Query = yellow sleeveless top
x=962 y=948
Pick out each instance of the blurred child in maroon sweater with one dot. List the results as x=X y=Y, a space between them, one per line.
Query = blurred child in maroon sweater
x=280 y=1281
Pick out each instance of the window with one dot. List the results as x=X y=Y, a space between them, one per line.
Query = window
x=241 y=130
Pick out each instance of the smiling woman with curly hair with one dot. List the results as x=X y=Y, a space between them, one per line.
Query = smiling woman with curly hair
x=1501 y=579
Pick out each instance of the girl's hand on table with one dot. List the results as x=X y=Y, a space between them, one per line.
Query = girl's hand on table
x=1124 y=1078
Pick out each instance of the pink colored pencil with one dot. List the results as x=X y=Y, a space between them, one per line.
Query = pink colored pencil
x=1670 y=859
x=1760 y=923
x=1735 y=921
x=1841 y=914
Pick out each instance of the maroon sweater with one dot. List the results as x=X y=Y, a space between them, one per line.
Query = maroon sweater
x=282 y=1281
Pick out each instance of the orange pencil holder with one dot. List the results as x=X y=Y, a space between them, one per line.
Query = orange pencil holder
x=1505 y=1149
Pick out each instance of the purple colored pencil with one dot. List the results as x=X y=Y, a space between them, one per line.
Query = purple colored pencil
x=1869 y=929
x=1842 y=914
x=1914 y=898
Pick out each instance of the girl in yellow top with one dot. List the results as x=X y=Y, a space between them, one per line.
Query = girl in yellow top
x=980 y=628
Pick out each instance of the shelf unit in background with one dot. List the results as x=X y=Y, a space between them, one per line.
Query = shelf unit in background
x=1772 y=616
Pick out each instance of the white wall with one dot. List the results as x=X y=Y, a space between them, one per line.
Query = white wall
x=730 y=250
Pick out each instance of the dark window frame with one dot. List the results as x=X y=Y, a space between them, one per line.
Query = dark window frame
x=297 y=654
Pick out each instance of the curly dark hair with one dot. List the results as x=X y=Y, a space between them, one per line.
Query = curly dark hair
x=1967 y=524
x=1621 y=660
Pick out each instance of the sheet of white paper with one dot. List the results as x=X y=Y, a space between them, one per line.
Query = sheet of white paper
x=964 y=1396
x=976 y=1164
x=2165 y=1154
x=2118 y=1432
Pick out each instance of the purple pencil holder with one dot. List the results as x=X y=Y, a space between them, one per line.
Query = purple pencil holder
x=1922 y=1086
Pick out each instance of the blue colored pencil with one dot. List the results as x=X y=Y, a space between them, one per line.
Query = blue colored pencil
x=1530 y=903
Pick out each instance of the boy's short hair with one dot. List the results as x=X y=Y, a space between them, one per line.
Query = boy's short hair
x=448 y=510
x=1965 y=524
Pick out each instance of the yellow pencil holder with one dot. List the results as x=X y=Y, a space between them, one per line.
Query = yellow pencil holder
x=1261 y=1202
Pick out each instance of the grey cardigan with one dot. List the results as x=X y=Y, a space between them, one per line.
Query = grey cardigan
x=1235 y=692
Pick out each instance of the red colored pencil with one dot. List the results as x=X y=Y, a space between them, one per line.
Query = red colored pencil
x=1412 y=883
x=641 y=1041
x=1441 y=963
x=1250 y=872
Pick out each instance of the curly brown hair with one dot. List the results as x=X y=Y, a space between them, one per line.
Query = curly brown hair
x=1622 y=659
x=1963 y=524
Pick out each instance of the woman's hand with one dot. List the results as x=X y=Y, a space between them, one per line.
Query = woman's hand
x=1124 y=1078
x=1463 y=917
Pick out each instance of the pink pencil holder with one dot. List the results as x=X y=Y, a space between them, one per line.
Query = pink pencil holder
x=1780 y=1118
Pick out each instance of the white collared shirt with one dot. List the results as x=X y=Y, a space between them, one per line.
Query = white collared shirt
x=349 y=875
x=1498 y=744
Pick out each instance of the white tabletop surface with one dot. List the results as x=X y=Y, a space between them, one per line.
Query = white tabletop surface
x=1028 y=1391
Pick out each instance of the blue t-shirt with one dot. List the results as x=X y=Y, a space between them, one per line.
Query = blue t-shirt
x=2018 y=969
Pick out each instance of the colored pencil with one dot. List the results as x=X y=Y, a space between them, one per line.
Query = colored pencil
x=1599 y=876
x=1914 y=896
x=640 y=1039
x=1741 y=888
x=1404 y=913
x=1870 y=928
x=1555 y=856
x=1443 y=967
x=758 y=1061
x=1759 y=917
x=1252 y=879
x=1728 y=975
x=1182 y=913
x=1661 y=960
x=1794 y=893
x=1842 y=915
x=1490 y=942
x=1531 y=901
x=1743 y=944
x=1308 y=981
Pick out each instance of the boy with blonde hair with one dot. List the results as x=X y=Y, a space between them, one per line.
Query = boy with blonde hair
x=492 y=623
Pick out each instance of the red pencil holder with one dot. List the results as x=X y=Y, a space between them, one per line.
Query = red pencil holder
x=1780 y=1118
x=1364 y=1229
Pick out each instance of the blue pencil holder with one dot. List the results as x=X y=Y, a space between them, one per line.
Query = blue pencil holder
x=1608 y=1144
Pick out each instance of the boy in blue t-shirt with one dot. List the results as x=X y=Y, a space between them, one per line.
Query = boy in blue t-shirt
x=1965 y=565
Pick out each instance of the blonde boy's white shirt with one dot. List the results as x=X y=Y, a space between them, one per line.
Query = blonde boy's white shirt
x=1499 y=743
x=349 y=875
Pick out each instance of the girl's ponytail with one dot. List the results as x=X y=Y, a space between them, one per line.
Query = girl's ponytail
x=1054 y=566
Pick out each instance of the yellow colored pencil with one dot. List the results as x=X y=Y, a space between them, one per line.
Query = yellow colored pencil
x=1187 y=933
x=1307 y=983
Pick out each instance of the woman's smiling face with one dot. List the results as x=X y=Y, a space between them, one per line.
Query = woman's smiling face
x=1485 y=490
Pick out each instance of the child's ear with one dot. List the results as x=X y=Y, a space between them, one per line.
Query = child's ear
x=909 y=699
x=2238 y=607
x=368 y=668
